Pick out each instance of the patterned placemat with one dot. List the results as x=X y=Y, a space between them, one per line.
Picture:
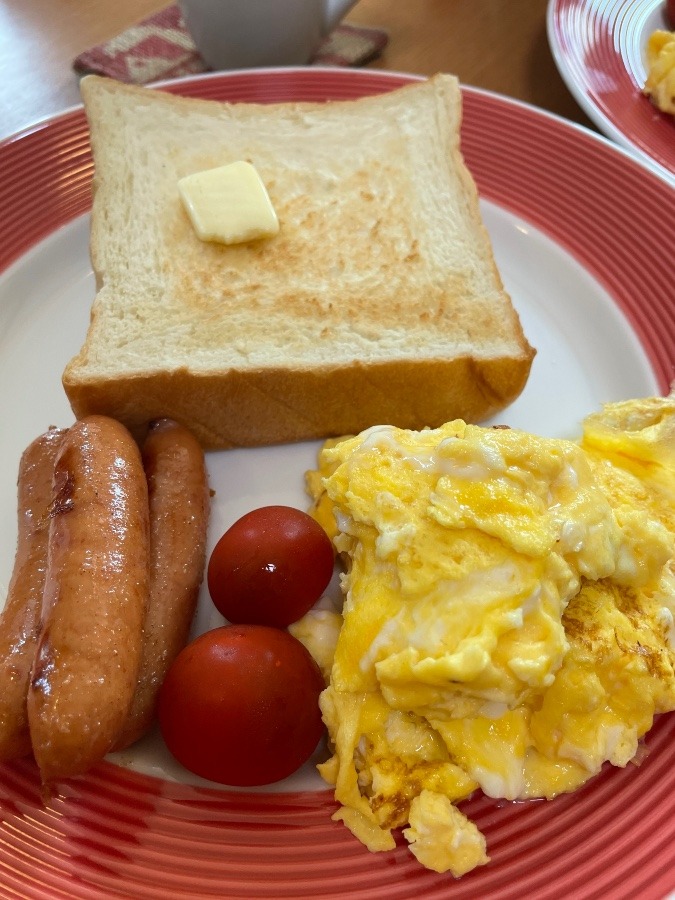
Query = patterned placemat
x=160 y=47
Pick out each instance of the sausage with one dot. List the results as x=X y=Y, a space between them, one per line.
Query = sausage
x=20 y=620
x=95 y=599
x=178 y=496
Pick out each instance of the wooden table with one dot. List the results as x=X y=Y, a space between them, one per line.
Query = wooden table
x=500 y=45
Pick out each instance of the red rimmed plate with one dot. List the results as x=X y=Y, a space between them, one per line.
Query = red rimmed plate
x=578 y=230
x=599 y=48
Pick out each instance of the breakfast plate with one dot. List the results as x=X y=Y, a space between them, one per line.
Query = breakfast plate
x=599 y=47
x=577 y=228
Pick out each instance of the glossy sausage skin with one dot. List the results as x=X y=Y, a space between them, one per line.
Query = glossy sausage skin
x=179 y=509
x=20 y=621
x=95 y=599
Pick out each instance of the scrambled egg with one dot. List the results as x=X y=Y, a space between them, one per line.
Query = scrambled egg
x=660 y=84
x=508 y=617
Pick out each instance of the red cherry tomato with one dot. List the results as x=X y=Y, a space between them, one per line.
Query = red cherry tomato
x=270 y=567
x=670 y=13
x=240 y=705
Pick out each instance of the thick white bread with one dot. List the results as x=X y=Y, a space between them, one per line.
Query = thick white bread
x=378 y=302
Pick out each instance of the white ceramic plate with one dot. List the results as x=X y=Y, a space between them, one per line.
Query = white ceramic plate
x=581 y=261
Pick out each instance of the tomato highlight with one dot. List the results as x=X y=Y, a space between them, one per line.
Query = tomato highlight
x=270 y=567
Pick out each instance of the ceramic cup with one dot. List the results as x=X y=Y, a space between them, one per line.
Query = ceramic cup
x=236 y=34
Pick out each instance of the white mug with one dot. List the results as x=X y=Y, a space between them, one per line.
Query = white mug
x=236 y=34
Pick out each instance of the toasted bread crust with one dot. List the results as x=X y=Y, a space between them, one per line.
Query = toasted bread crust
x=270 y=406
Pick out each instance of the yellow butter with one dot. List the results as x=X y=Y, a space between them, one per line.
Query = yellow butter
x=229 y=204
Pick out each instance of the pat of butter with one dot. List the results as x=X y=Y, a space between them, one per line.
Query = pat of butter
x=229 y=204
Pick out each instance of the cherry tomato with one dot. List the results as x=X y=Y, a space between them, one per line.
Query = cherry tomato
x=270 y=567
x=240 y=705
x=670 y=13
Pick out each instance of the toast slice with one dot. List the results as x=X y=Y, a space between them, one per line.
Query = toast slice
x=378 y=302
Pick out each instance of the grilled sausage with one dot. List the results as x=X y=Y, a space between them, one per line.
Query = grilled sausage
x=20 y=621
x=95 y=599
x=179 y=508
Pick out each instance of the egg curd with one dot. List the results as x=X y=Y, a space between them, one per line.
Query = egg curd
x=507 y=621
x=660 y=83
